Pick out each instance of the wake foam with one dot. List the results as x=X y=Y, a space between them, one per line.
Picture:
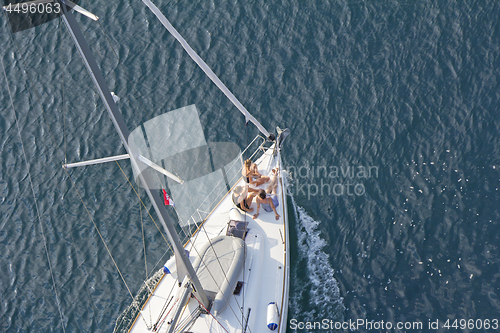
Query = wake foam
x=316 y=293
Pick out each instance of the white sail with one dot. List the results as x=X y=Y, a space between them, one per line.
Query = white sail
x=202 y=172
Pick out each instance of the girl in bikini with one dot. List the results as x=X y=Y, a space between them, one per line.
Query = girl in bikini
x=252 y=175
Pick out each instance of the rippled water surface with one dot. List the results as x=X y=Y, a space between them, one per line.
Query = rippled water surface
x=395 y=154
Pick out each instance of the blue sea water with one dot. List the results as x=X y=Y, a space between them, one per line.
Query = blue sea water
x=395 y=157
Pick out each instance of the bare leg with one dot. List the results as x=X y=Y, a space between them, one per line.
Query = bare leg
x=250 y=198
x=272 y=184
x=248 y=202
x=272 y=188
x=261 y=180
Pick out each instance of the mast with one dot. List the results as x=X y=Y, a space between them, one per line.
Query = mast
x=184 y=266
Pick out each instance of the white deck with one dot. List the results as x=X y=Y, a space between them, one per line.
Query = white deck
x=266 y=270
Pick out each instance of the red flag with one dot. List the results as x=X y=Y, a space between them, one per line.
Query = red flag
x=167 y=200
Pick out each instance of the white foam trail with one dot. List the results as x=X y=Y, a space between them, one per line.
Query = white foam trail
x=324 y=299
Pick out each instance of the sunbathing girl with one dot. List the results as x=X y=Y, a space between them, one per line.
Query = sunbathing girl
x=251 y=174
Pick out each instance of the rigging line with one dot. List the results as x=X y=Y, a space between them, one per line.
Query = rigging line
x=34 y=198
x=30 y=79
x=190 y=232
x=143 y=242
x=152 y=219
x=165 y=305
x=145 y=259
x=160 y=324
x=81 y=266
x=62 y=92
x=210 y=313
x=102 y=238
x=158 y=262
x=179 y=325
x=189 y=321
x=144 y=205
